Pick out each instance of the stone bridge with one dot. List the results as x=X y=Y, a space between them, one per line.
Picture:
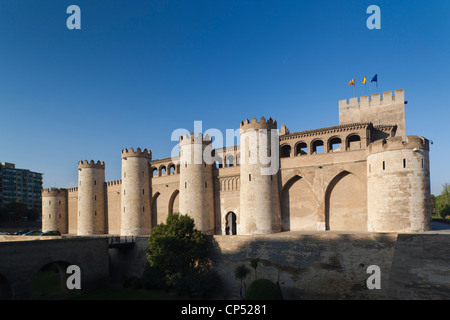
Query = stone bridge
x=20 y=261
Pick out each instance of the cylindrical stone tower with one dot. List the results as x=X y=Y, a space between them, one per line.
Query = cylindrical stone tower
x=54 y=210
x=259 y=197
x=91 y=198
x=196 y=183
x=135 y=198
x=398 y=185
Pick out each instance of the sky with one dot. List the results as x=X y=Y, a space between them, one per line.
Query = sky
x=138 y=70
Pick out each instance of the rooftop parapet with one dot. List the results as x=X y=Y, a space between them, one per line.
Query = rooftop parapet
x=255 y=125
x=374 y=99
x=91 y=164
x=52 y=192
x=113 y=183
x=126 y=153
x=397 y=143
x=193 y=139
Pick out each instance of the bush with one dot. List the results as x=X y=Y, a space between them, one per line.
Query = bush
x=197 y=283
x=132 y=282
x=152 y=278
x=177 y=255
x=263 y=289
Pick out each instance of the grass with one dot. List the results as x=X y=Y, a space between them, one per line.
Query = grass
x=46 y=284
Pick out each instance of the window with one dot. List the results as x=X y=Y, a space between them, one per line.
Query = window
x=404 y=163
x=285 y=151
x=249 y=177
x=301 y=149
x=206 y=185
x=384 y=165
x=317 y=147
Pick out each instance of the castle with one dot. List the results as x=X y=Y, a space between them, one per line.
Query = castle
x=363 y=175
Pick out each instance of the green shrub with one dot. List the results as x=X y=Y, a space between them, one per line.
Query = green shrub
x=152 y=278
x=263 y=289
x=131 y=282
x=197 y=283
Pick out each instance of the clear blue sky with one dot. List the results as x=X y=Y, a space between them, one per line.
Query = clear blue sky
x=137 y=70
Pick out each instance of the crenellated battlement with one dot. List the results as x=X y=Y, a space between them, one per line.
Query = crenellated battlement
x=375 y=99
x=91 y=164
x=255 y=125
x=193 y=139
x=113 y=183
x=397 y=143
x=53 y=192
x=137 y=153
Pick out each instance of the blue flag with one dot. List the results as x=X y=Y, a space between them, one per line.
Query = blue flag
x=375 y=78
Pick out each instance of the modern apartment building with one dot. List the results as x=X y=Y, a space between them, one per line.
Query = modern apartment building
x=20 y=184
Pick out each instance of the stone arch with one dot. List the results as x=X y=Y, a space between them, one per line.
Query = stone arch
x=346 y=203
x=6 y=292
x=353 y=142
x=171 y=169
x=154 y=172
x=55 y=275
x=285 y=151
x=335 y=144
x=229 y=160
x=301 y=148
x=154 y=206
x=298 y=205
x=173 y=202
x=162 y=170
x=230 y=223
x=317 y=146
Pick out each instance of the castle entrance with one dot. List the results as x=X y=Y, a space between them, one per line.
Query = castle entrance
x=230 y=226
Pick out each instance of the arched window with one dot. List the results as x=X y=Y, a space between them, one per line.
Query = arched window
x=172 y=169
x=353 y=142
x=301 y=149
x=317 y=147
x=229 y=160
x=162 y=170
x=334 y=144
x=154 y=172
x=285 y=151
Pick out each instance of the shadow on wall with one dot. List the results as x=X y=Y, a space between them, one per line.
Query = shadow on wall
x=335 y=266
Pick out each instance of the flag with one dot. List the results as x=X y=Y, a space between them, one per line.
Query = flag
x=352 y=83
x=364 y=80
x=375 y=78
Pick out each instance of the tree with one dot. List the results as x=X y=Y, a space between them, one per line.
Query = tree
x=442 y=201
x=180 y=253
x=240 y=273
x=254 y=264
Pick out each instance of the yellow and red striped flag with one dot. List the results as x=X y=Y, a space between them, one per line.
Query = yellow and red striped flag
x=364 y=80
x=352 y=83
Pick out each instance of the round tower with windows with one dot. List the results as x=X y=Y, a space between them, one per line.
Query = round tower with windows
x=91 y=198
x=196 y=181
x=54 y=210
x=398 y=185
x=135 y=193
x=259 y=172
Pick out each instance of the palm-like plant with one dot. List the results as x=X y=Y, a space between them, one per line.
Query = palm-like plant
x=240 y=273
